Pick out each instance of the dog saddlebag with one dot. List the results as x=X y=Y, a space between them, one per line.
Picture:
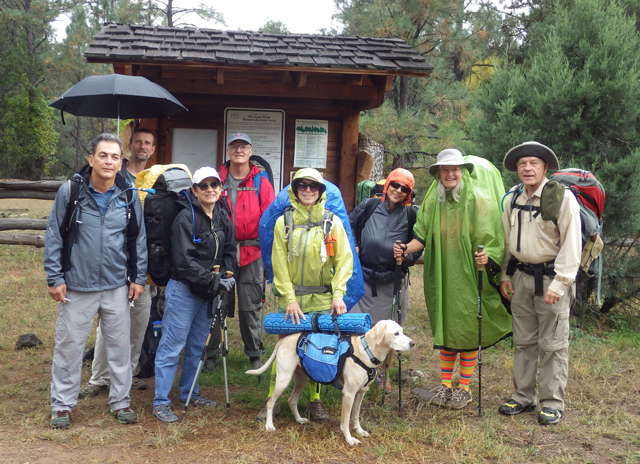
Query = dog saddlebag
x=322 y=356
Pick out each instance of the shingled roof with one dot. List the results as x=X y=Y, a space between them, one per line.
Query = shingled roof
x=117 y=42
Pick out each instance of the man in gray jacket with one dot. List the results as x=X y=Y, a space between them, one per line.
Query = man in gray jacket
x=95 y=260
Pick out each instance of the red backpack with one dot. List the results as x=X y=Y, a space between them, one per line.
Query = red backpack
x=584 y=185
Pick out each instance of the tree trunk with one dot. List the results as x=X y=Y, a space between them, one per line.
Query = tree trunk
x=170 y=13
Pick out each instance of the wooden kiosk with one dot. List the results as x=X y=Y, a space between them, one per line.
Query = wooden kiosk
x=298 y=97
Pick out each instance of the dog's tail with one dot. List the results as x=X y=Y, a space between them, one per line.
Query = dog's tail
x=266 y=365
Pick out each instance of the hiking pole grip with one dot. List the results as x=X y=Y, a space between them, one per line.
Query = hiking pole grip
x=399 y=260
x=480 y=250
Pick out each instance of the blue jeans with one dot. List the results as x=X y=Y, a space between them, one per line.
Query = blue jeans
x=184 y=325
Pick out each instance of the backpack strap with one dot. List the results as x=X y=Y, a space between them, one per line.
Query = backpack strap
x=69 y=227
x=257 y=179
x=326 y=222
x=370 y=207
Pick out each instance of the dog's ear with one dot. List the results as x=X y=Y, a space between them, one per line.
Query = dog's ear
x=378 y=334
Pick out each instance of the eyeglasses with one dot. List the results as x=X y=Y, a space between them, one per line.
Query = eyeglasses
x=233 y=148
x=402 y=188
x=205 y=185
x=302 y=186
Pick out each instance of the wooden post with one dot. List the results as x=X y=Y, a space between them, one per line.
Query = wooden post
x=349 y=156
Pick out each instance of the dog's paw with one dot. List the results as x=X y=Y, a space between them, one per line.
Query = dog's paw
x=302 y=420
x=352 y=441
x=362 y=432
x=270 y=428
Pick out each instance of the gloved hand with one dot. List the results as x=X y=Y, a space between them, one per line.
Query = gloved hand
x=226 y=284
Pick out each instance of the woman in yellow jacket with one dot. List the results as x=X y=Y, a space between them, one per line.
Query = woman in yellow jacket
x=309 y=275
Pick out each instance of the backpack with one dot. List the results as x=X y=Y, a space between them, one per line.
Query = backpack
x=368 y=211
x=68 y=227
x=364 y=190
x=590 y=195
x=151 y=337
x=160 y=209
x=322 y=356
x=335 y=204
x=371 y=189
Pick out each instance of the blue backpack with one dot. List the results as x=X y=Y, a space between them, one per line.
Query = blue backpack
x=322 y=356
x=335 y=204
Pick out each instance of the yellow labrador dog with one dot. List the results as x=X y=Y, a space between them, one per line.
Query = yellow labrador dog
x=369 y=349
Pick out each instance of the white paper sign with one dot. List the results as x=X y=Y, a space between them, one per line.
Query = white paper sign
x=312 y=137
x=266 y=130
x=195 y=148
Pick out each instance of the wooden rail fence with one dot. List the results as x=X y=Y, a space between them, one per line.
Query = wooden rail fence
x=36 y=190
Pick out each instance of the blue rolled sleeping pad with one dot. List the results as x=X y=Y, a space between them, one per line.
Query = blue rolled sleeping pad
x=349 y=324
x=335 y=204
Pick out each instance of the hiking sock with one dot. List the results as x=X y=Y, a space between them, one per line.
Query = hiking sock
x=314 y=391
x=447 y=363
x=467 y=365
x=272 y=381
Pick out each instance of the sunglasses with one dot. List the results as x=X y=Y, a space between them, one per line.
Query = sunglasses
x=402 y=188
x=205 y=185
x=302 y=186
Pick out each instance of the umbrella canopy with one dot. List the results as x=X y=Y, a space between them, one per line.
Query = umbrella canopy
x=118 y=96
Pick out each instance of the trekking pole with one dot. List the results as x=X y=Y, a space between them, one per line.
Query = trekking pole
x=225 y=351
x=264 y=299
x=480 y=267
x=203 y=356
x=398 y=292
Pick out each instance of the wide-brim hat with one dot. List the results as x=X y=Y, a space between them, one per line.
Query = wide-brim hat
x=449 y=157
x=536 y=149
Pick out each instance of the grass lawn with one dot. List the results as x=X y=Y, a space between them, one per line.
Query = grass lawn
x=601 y=422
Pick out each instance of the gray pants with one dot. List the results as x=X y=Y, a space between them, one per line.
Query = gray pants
x=541 y=339
x=139 y=322
x=381 y=307
x=249 y=285
x=75 y=319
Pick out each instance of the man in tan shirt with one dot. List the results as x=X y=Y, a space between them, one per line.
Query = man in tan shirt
x=538 y=273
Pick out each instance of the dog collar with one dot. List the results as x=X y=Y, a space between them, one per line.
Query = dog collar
x=372 y=358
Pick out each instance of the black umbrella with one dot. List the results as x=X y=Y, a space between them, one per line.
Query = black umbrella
x=118 y=96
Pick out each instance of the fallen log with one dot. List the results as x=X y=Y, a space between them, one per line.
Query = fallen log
x=51 y=185
x=30 y=194
x=23 y=224
x=22 y=239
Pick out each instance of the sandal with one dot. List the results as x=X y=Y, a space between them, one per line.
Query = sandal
x=199 y=402
x=164 y=413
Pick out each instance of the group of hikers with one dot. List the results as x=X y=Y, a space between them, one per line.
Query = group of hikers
x=96 y=257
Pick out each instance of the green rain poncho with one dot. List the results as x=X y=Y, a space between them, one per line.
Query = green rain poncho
x=451 y=233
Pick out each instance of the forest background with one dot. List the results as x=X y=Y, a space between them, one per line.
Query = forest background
x=562 y=72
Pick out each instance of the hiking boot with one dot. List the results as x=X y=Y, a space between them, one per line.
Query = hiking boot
x=210 y=363
x=125 y=415
x=138 y=384
x=441 y=396
x=317 y=412
x=512 y=408
x=198 y=401
x=61 y=419
x=256 y=363
x=164 y=413
x=459 y=399
x=262 y=415
x=549 y=416
x=90 y=390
